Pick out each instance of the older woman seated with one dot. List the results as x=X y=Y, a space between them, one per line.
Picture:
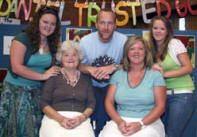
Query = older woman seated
x=68 y=99
x=139 y=93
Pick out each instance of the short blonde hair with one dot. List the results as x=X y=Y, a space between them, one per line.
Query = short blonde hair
x=68 y=44
x=148 y=61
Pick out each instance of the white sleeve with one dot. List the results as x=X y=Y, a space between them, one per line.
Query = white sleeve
x=176 y=47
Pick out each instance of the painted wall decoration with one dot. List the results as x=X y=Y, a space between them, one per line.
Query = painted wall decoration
x=18 y=6
x=189 y=42
x=76 y=33
x=80 y=6
x=3 y=73
x=92 y=18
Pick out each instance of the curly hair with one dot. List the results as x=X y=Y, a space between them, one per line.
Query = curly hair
x=34 y=33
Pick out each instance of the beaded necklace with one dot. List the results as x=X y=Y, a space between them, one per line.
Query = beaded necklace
x=68 y=80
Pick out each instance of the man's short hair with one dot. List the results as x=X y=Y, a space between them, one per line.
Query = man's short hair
x=106 y=10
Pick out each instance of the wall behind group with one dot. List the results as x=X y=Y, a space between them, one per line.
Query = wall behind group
x=131 y=16
x=75 y=33
x=82 y=13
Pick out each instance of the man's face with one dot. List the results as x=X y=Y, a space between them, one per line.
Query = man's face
x=105 y=25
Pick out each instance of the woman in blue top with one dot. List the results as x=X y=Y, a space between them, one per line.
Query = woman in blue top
x=139 y=93
x=30 y=58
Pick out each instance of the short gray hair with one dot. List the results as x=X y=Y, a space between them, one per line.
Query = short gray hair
x=68 y=44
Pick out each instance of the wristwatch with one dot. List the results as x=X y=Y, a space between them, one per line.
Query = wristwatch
x=116 y=66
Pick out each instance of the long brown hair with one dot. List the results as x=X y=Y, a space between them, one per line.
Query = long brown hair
x=160 y=54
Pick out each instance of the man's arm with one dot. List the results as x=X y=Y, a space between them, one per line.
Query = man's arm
x=87 y=69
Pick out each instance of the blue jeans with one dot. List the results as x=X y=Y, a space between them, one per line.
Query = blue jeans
x=99 y=116
x=179 y=109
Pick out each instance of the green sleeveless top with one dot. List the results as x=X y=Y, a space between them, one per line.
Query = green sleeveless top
x=177 y=83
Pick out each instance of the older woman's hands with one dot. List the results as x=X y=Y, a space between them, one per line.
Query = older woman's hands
x=76 y=121
x=70 y=123
x=65 y=123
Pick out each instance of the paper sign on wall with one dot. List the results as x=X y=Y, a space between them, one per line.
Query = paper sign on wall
x=6 y=44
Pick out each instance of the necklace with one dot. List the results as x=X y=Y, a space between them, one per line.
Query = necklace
x=71 y=81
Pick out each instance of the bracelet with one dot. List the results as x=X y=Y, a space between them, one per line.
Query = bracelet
x=84 y=116
x=141 y=123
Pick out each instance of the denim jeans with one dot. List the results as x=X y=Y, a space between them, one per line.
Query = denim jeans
x=179 y=109
x=99 y=116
